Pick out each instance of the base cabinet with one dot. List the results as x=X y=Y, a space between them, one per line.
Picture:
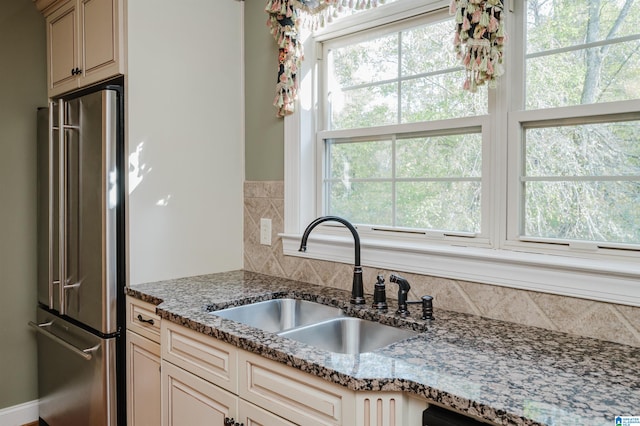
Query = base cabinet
x=205 y=381
x=143 y=364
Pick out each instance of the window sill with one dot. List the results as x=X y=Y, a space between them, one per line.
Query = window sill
x=606 y=281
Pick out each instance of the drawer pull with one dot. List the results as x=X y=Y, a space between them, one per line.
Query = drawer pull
x=148 y=321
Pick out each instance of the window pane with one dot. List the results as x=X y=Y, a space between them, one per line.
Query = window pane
x=436 y=179
x=583 y=182
x=553 y=24
x=613 y=76
x=439 y=97
x=452 y=206
x=408 y=76
x=361 y=202
x=360 y=160
x=364 y=107
x=605 y=149
x=440 y=156
x=582 y=52
x=594 y=211
x=366 y=62
x=428 y=48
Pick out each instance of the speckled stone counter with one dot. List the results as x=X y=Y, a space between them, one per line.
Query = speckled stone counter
x=502 y=372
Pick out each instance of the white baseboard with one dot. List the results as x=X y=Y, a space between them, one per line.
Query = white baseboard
x=19 y=414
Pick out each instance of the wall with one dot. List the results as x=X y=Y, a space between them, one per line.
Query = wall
x=185 y=136
x=264 y=197
x=22 y=90
x=264 y=152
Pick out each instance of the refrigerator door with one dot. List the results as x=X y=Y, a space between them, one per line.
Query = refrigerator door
x=48 y=206
x=77 y=208
x=76 y=374
x=88 y=206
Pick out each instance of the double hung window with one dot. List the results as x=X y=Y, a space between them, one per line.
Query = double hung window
x=397 y=154
x=578 y=131
x=548 y=163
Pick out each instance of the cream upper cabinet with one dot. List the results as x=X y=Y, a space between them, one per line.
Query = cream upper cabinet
x=84 y=43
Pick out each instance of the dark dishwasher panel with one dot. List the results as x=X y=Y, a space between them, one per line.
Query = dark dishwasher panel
x=436 y=416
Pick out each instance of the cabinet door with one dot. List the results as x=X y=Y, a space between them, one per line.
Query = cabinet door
x=143 y=381
x=99 y=29
x=62 y=48
x=251 y=415
x=190 y=400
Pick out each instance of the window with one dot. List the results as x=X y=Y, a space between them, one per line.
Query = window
x=534 y=185
x=381 y=86
x=580 y=166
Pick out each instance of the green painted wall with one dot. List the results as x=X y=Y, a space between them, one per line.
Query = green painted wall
x=22 y=90
x=264 y=132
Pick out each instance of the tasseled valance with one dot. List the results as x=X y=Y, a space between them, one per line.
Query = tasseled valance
x=479 y=28
x=479 y=40
x=286 y=17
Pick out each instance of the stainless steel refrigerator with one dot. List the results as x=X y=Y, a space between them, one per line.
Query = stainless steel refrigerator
x=81 y=271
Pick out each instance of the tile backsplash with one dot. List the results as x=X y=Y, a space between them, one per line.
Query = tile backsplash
x=606 y=321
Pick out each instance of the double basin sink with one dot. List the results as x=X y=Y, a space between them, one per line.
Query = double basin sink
x=321 y=326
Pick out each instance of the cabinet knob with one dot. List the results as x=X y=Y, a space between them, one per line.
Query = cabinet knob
x=76 y=71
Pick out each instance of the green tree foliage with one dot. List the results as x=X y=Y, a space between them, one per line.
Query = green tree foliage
x=583 y=52
x=580 y=181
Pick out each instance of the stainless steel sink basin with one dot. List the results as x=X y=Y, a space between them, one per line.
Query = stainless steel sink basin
x=280 y=314
x=348 y=335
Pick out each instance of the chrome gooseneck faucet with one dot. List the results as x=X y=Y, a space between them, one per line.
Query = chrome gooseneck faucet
x=357 y=291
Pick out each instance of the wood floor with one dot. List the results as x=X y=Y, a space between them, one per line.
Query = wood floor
x=31 y=424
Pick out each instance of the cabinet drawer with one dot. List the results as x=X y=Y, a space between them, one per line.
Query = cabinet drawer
x=290 y=393
x=202 y=355
x=142 y=319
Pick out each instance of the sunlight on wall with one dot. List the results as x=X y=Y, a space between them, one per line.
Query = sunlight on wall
x=137 y=171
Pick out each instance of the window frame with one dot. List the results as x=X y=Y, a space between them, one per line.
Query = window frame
x=503 y=260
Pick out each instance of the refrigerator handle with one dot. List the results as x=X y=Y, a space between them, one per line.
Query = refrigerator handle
x=51 y=181
x=62 y=206
x=84 y=353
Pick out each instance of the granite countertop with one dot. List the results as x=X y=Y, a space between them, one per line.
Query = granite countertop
x=502 y=372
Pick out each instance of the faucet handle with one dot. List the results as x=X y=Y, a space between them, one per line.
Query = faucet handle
x=403 y=292
x=380 y=295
